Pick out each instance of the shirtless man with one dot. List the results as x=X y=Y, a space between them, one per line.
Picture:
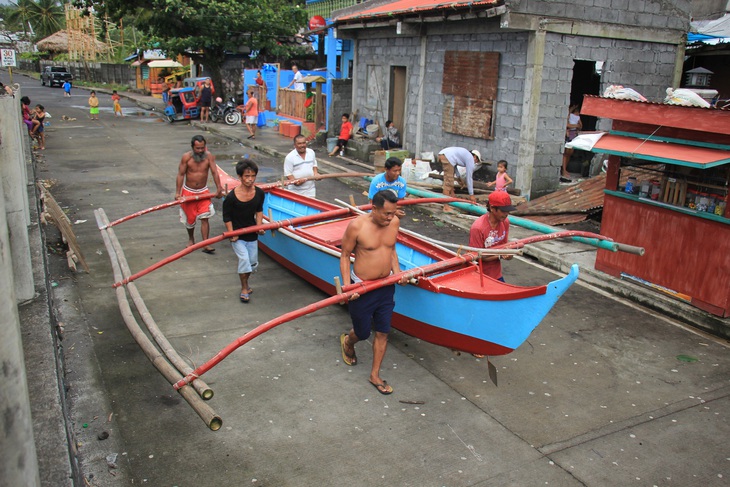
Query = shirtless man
x=192 y=180
x=372 y=238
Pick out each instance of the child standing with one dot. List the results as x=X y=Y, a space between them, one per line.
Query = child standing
x=503 y=180
x=67 y=88
x=93 y=106
x=117 y=105
x=38 y=129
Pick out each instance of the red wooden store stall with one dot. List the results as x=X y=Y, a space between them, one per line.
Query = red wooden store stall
x=677 y=207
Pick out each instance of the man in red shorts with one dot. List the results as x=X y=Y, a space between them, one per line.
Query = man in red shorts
x=192 y=180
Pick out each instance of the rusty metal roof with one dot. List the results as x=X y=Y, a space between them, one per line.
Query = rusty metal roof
x=404 y=7
x=576 y=202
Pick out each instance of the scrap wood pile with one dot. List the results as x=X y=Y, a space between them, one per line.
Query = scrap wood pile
x=574 y=203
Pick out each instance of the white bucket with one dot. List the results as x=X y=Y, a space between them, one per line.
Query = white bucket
x=331 y=143
x=372 y=130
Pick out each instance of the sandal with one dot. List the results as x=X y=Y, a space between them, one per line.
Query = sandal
x=245 y=297
x=348 y=359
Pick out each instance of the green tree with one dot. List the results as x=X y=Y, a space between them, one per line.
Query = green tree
x=40 y=18
x=46 y=16
x=18 y=17
x=206 y=30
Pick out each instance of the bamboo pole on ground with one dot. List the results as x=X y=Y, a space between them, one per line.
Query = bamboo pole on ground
x=165 y=346
x=204 y=411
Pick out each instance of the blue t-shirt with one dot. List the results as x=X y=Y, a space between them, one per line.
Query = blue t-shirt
x=379 y=183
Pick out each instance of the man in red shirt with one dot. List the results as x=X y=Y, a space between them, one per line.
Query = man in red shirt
x=492 y=229
x=345 y=133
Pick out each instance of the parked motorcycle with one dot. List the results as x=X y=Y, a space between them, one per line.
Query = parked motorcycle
x=226 y=112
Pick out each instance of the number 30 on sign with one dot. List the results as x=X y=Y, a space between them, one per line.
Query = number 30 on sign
x=8 y=57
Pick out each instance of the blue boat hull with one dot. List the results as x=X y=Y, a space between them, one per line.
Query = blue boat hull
x=460 y=309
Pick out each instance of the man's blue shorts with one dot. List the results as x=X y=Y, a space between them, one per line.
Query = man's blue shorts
x=372 y=310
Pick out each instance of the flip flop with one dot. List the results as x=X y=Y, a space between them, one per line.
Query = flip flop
x=348 y=359
x=209 y=251
x=384 y=385
x=245 y=298
x=250 y=291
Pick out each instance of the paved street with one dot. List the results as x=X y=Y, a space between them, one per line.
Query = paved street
x=602 y=394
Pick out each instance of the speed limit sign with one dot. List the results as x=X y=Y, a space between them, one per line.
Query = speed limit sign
x=8 y=57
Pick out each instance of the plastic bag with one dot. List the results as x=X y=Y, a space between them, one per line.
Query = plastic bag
x=415 y=170
x=620 y=93
x=585 y=141
x=685 y=97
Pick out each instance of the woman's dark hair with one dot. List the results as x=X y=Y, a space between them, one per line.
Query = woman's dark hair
x=25 y=100
x=387 y=123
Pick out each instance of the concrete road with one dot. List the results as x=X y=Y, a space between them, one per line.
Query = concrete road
x=602 y=394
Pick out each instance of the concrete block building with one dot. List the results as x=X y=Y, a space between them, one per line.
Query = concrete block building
x=499 y=75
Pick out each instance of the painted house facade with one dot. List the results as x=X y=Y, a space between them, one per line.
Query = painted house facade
x=499 y=76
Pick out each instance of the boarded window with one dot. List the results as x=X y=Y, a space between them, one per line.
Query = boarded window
x=470 y=91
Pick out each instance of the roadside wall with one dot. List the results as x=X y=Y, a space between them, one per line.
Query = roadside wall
x=121 y=74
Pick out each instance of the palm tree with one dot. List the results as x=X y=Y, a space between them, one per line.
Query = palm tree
x=47 y=17
x=38 y=18
x=19 y=16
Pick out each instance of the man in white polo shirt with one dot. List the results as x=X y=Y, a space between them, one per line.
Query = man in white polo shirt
x=301 y=163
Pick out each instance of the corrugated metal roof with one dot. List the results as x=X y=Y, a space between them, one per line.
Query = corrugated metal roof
x=401 y=7
x=661 y=151
x=576 y=202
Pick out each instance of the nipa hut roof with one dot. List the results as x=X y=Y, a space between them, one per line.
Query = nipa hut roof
x=58 y=42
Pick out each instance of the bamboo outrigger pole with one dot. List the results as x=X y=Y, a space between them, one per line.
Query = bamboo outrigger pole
x=207 y=196
x=362 y=288
x=325 y=215
x=348 y=292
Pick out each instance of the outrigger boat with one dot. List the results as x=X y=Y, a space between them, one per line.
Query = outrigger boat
x=450 y=302
x=459 y=308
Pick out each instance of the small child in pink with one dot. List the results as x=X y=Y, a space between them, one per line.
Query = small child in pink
x=503 y=179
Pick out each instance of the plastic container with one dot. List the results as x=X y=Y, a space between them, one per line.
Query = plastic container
x=720 y=208
x=331 y=143
x=372 y=130
x=655 y=189
x=630 y=185
x=703 y=203
x=644 y=189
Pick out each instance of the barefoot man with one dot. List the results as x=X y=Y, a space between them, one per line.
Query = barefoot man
x=372 y=238
x=192 y=180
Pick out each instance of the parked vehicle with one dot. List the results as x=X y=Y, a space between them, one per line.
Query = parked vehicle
x=184 y=103
x=225 y=111
x=55 y=75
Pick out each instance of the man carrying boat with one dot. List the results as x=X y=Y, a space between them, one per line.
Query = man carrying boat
x=493 y=229
x=192 y=180
x=372 y=238
x=391 y=180
x=242 y=208
x=301 y=163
